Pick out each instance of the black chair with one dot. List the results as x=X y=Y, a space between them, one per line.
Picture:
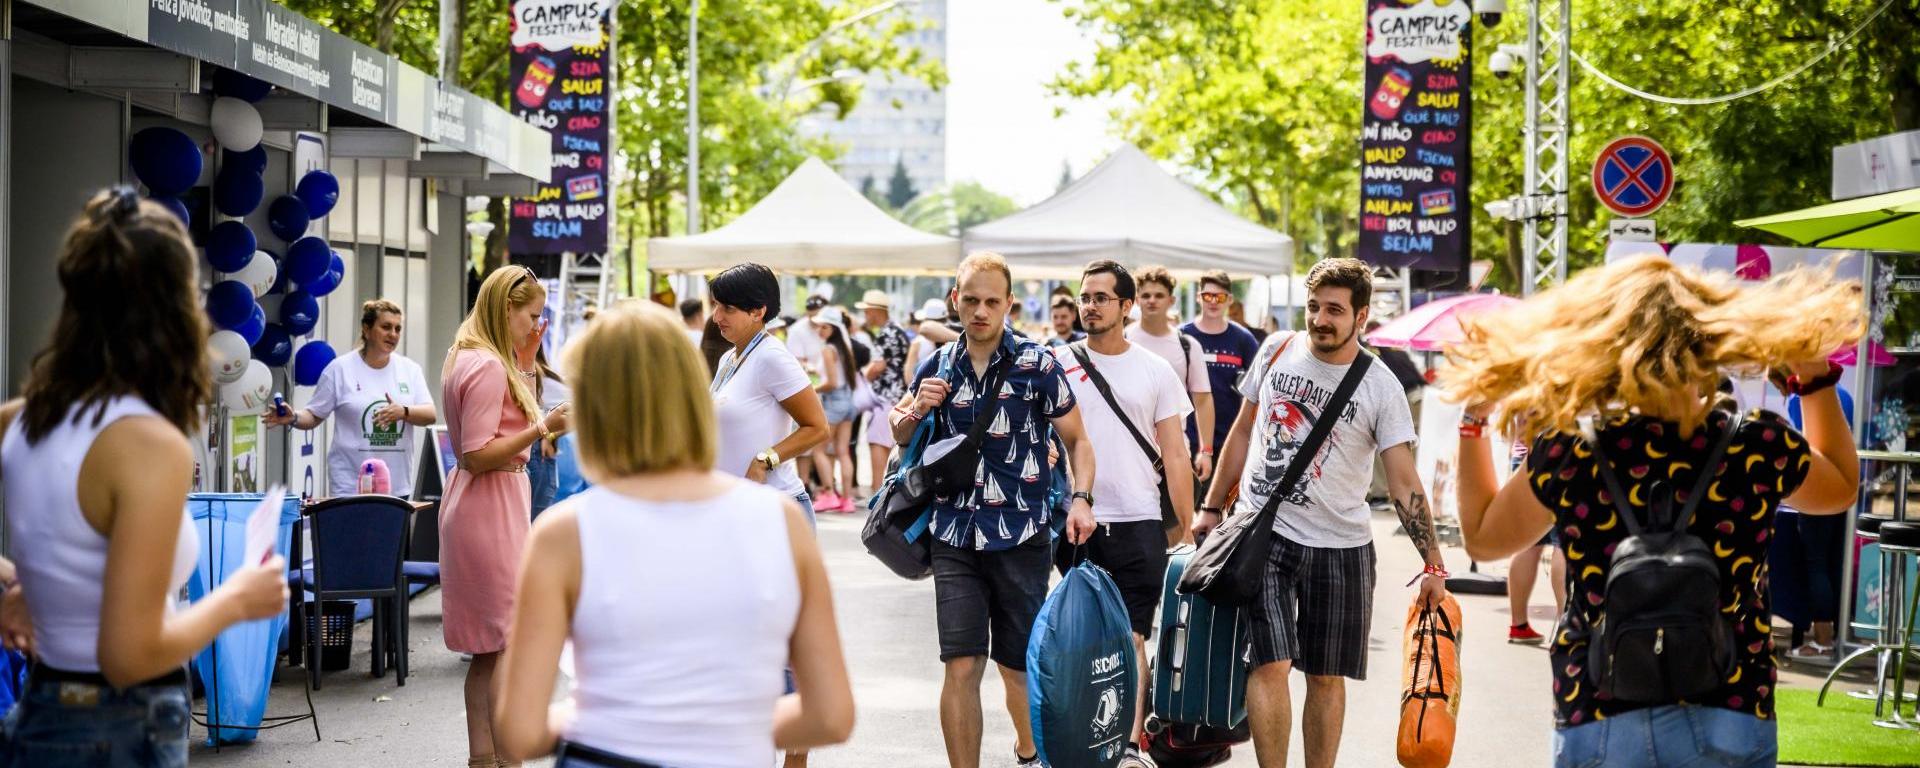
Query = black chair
x=359 y=544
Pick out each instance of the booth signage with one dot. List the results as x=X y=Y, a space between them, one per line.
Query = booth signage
x=562 y=56
x=1416 y=142
x=1878 y=165
x=1633 y=176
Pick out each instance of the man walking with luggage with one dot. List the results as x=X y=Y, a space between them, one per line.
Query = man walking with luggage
x=991 y=543
x=1317 y=596
x=1135 y=412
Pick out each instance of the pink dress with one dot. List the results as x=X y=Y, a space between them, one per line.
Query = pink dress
x=484 y=517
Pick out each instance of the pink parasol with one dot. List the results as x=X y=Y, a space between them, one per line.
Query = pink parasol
x=1876 y=354
x=1432 y=326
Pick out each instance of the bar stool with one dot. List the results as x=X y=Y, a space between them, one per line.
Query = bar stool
x=1897 y=541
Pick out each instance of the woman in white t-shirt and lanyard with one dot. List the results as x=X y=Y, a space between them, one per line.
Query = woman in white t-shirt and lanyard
x=378 y=394
x=765 y=403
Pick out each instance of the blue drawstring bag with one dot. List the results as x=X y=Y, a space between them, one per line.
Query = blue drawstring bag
x=1082 y=676
x=13 y=679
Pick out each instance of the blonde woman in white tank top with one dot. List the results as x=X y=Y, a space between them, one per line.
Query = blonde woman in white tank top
x=96 y=465
x=684 y=591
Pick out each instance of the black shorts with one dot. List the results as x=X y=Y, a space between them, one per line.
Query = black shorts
x=986 y=601
x=1135 y=556
x=1315 y=608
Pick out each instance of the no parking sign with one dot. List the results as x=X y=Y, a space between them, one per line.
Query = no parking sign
x=1633 y=176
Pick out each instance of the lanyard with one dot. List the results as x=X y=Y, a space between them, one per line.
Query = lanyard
x=733 y=366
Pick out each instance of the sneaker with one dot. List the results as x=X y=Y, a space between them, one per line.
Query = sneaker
x=1134 y=758
x=1523 y=633
x=1025 y=761
x=827 y=501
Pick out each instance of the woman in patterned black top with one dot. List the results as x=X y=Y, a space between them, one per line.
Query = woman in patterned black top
x=1638 y=347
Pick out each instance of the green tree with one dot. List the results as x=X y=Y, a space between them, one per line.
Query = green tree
x=956 y=208
x=900 y=189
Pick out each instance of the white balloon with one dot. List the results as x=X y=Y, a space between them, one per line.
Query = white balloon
x=236 y=124
x=258 y=274
x=251 y=392
x=227 y=356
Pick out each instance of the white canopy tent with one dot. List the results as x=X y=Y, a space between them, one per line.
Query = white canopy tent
x=814 y=222
x=1130 y=210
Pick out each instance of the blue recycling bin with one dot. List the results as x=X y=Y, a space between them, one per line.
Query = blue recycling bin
x=237 y=669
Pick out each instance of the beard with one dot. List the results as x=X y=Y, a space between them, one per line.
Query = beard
x=1339 y=341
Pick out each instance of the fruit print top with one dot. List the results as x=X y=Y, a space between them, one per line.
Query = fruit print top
x=1765 y=463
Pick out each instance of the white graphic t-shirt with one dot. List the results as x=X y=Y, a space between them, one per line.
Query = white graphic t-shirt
x=351 y=393
x=1125 y=487
x=1328 y=508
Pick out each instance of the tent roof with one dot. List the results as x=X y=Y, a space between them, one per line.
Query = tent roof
x=813 y=222
x=1130 y=210
x=1888 y=222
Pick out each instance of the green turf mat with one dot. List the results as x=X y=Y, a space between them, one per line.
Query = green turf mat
x=1840 y=733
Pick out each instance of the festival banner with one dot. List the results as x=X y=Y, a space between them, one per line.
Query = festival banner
x=1416 y=141
x=562 y=56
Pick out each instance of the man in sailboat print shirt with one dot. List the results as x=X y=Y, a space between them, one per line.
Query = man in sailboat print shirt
x=992 y=543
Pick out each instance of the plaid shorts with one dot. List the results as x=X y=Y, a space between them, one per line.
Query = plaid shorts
x=1315 y=608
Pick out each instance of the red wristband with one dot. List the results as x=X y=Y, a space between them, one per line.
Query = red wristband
x=1431 y=570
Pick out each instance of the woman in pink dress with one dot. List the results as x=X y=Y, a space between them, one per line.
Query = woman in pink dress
x=493 y=417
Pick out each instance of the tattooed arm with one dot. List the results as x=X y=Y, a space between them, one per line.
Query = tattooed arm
x=1416 y=517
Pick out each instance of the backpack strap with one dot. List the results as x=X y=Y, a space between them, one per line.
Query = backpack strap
x=1079 y=349
x=1708 y=471
x=1679 y=522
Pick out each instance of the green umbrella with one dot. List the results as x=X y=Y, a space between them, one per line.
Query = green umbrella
x=1889 y=222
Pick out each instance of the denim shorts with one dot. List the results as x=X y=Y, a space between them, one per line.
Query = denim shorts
x=63 y=722
x=543 y=477
x=986 y=602
x=1676 y=736
x=838 y=404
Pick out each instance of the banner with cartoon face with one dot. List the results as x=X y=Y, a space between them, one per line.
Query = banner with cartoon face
x=562 y=59
x=1416 y=141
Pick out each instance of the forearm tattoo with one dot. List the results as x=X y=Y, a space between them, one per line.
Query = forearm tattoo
x=1417 y=518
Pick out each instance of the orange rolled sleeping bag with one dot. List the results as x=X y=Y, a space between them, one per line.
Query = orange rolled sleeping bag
x=1430 y=696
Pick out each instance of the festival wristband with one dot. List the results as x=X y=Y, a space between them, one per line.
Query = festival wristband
x=1431 y=570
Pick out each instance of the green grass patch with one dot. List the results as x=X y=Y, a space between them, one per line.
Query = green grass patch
x=1840 y=733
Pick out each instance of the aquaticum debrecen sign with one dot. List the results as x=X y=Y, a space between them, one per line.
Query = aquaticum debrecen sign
x=562 y=56
x=1417 y=136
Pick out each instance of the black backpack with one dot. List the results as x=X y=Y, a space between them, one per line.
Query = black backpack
x=1661 y=637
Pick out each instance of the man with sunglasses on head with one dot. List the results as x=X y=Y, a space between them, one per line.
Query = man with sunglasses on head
x=1157 y=333
x=1227 y=347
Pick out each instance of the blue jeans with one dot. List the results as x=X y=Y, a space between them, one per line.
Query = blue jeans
x=545 y=479
x=1669 y=737
x=78 y=725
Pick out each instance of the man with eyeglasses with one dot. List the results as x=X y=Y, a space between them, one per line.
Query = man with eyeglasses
x=1134 y=409
x=1157 y=333
x=1227 y=347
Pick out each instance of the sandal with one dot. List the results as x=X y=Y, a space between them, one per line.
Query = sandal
x=1810 y=651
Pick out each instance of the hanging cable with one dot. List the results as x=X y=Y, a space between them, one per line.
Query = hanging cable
x=1701 y=101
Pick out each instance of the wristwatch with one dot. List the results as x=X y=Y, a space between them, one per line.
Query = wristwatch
x=1083 y=495
x=769 y=457
x=1211 y=510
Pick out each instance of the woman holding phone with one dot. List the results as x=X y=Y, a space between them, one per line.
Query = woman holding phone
x=493 y=417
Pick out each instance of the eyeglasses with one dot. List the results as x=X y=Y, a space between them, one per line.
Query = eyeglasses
x=1097 y=300
x=1216 y=298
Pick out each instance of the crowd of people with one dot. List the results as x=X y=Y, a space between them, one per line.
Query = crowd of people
x=712 y=438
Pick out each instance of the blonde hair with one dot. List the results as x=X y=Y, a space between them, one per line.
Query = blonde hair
x=640 y=401
x=987 y=260
x=1633 y=334
x=488 y=329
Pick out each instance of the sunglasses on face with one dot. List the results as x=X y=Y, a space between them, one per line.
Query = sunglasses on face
x=1216 y=298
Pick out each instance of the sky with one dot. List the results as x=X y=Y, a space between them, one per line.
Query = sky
x=1001 y=128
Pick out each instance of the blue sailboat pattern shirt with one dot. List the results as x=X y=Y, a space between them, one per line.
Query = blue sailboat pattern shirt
x=1008 y=502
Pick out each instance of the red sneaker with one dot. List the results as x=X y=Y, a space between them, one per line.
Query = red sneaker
x=1523 y=633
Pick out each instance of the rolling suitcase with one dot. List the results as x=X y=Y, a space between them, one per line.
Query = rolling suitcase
x=1200 y=667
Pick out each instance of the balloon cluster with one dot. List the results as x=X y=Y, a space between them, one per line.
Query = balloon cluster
x=249 y=277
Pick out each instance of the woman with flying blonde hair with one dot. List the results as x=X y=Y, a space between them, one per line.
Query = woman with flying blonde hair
x=1615 y=374
x=665 y=674
x=493 y=417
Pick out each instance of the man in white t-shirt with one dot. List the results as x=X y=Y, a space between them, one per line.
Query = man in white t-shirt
x=803 y=342
x=1156 y=332
x=1317 y=597
x=693 y=315
x=1131 y=543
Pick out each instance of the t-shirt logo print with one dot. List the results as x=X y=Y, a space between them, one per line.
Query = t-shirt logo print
x=1286 y=426
x=378 y=436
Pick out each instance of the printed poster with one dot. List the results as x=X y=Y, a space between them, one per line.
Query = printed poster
x=1416 y=141
x=562 y=57
x=244 y=454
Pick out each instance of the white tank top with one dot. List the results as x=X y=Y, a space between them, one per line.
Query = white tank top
x=681 y=631
x=62 y=561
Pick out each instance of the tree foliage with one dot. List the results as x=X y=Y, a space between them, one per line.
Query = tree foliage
x=1262 y=99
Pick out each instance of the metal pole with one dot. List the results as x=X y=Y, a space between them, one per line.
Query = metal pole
x=693 y=119
x=1849 y=560
x=1548 y=124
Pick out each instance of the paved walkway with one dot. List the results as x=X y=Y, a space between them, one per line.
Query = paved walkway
x=888 y=630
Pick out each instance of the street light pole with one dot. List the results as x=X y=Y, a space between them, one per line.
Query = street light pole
x=693 y=119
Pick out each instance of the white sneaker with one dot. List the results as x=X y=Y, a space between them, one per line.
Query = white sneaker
x=1134 y=758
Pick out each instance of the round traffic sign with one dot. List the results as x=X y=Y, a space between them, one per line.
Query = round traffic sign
x=1633 y=176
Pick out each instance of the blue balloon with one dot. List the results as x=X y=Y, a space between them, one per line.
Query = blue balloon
x=254 y=160
x=165 y=160
x=230 y=245
x=275 y=347
x=319 y=190
x=312 y=358
x=177 y=208
x=229 y=303
x=327 y=283
x=227 y=82
x=299 y=312
x=255 y=325
x=287 y=217
x=307 y=259
x=279 y=274
x=238 y=191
